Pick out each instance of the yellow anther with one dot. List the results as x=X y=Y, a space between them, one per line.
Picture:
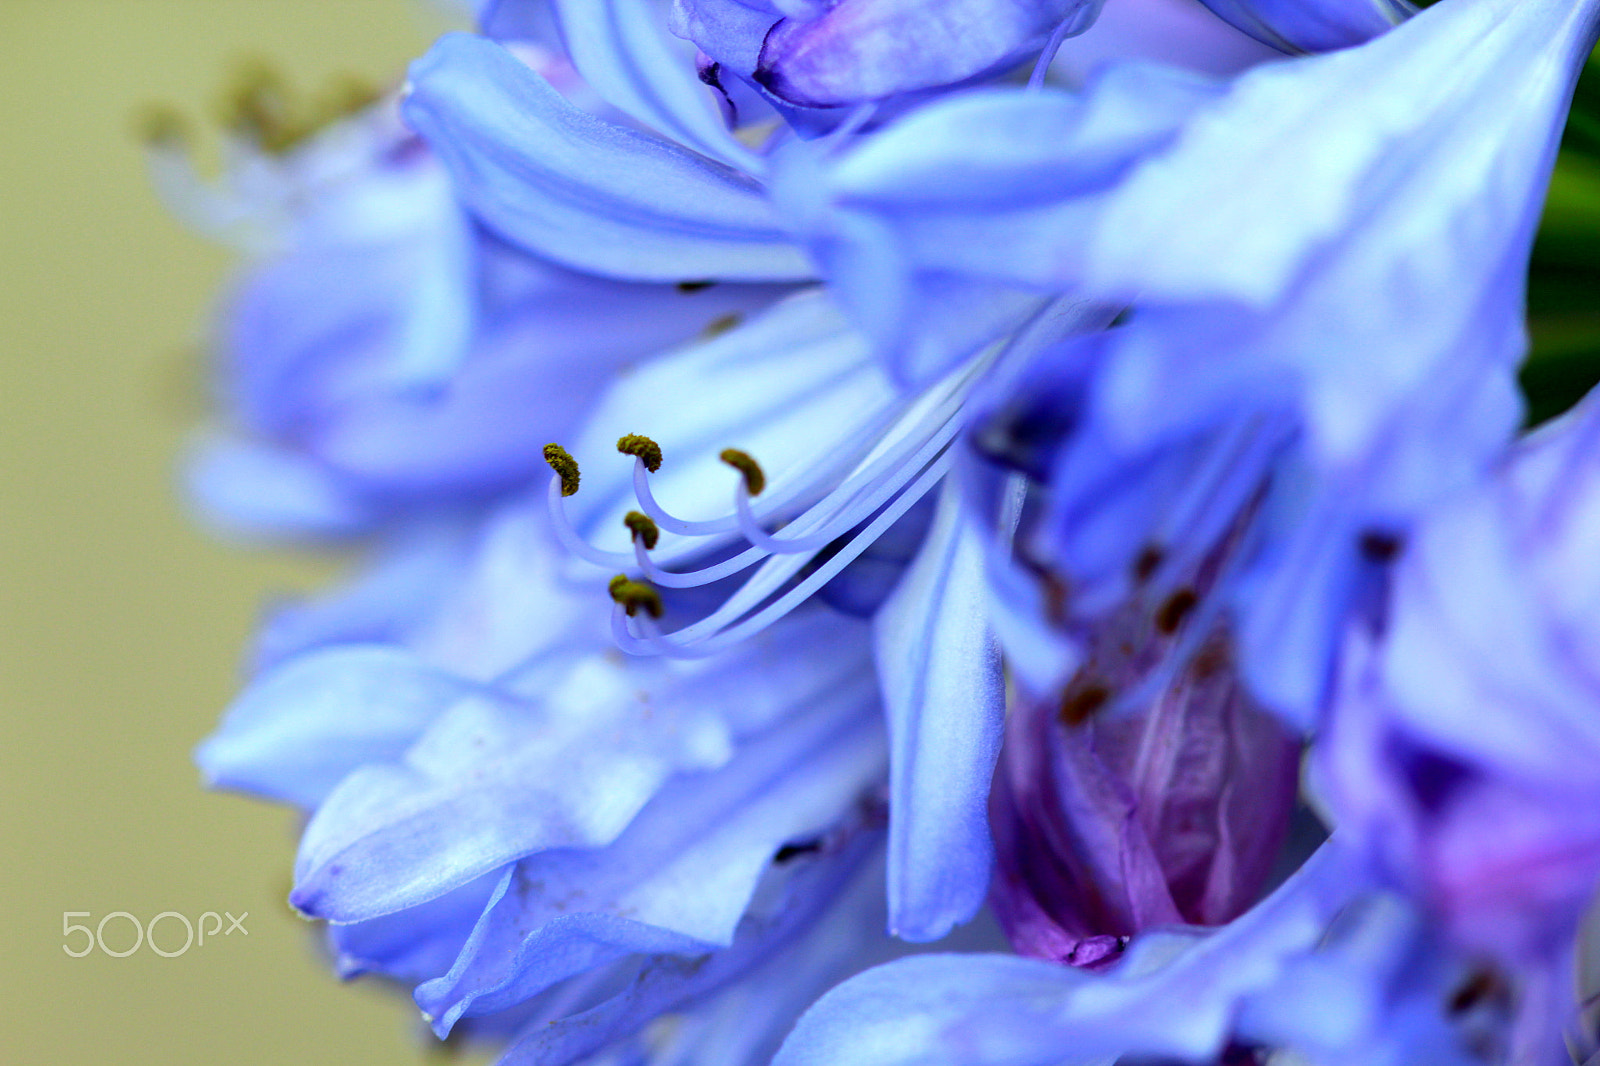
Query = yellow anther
x=643 y=528
x=643 y=448
x=754 y=479
x=564 y=465
x=161 y=126
x=634 y=595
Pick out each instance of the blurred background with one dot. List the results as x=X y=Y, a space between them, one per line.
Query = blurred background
x=121 y=624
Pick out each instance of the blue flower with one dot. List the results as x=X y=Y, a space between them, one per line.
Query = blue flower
x=815 y=54
x=1326 y=968
x=1329 y=360
x=1111 y=443
x=382 y=354
x=1456 y=756
x=847 y=456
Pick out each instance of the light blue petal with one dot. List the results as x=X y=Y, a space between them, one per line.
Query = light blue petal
x=949 y=227
x=418 y=944
x=1436 y=149
x=681 y=875
x=1312 y=25
x=1375 y=993
x=622 y=49
x=1175 y=994
x=376 y=290
x=499 y=777
x=385 y=603
x=730 y=32
x=857 y=50
x=252 y=489
x=582 y=191
x=789 y=387
x=945 y=697
x=789 y=910
x=299 y=729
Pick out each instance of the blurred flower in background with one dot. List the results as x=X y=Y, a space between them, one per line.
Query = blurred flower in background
x=1114 y=404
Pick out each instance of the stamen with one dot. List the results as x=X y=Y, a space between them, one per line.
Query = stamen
x=643 y=529
x=633 y=595
x=839 y=505
x=642 y=448
x=754 y=479
x=259 y=108
x=695 y=578
x=162 y=126
x=713 y=634
x=565 y=466
x=555 y=497
x=1041 y=68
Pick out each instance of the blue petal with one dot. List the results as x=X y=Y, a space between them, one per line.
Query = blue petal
x=298 y=730
x=1175 y=33
x=1312 y=25
x=729 y=31
x=498 y=777
x=622 y=49
x=418 y=944
x=941 y=230
x=792 y=906
x=859 y=50
x=517 y=20
x=252 y=489
x=1434 y=127
x=584 y=192
x=788 y=388
x=681 y=875
x=377 y=289
x=945 y=696
x=1174 y=994
x=385 y=603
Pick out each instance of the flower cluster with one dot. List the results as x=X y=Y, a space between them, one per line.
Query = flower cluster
x=968 y=532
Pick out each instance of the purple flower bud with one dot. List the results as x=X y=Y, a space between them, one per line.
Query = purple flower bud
x=868 y=49
x=1109 y=824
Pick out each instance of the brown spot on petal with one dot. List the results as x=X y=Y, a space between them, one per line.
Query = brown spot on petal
x=1212 y=660
x=1172 y=613
x=1483 y=986
x=1081 y=700
x=720 y=325
x=1145 y=565
x=1379 y=546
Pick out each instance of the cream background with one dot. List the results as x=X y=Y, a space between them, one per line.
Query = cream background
x=121 y=625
